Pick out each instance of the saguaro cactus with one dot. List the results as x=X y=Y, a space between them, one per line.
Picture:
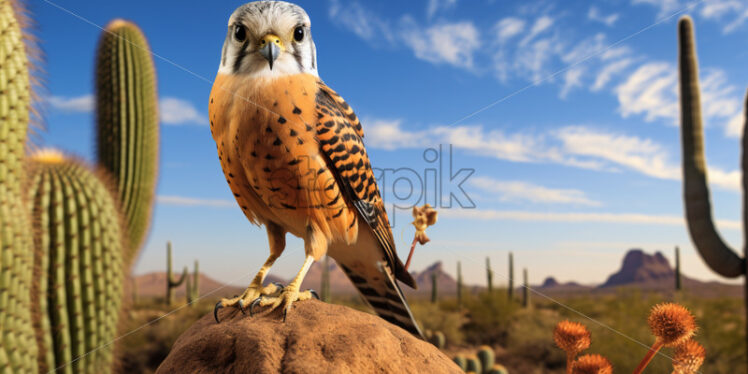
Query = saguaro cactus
x=677 y=269
x=434 y=294
x=525 y=290
x=459 y=284
x=511 y=277
x=716 y=253
x=18 y=351
x=78 y=265
x=127 y=130
x=193 y=287
x=489 y=275
x=171 y=283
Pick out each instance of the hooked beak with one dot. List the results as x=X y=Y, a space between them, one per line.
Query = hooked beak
x=271 y=47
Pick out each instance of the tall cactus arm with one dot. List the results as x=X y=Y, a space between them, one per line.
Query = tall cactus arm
x=712 y=248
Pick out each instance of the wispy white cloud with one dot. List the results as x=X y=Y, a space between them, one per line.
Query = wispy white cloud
x=172 y=110
x=451 y=43
x=731 y=14
x=77 y=104
x=576 y=217
x=540 y=25
x=652 y=91
x=194 y=202
x=175 y=111
x=594 y=14
x=575 y=146
x=435 y=6
x=513 y=191
x=508 y=28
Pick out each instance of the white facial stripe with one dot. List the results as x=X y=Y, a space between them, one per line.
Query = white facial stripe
x=259 y=19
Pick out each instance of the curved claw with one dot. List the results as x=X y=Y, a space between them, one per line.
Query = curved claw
x=314 y=293
x=285 y=312
x=253 y=305
x=219 y=305
x=241 y=306
x=279 y=285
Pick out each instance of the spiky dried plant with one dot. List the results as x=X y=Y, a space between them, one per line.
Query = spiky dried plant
x=688 y=357
x=572 y=337
x=592 y=364
x=672 y=325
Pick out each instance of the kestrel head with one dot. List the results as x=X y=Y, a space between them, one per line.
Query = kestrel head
x=269 y=38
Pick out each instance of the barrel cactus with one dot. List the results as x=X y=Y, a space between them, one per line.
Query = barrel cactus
x=127 y=124
x=18 y=352
x=473 y=364
x=486 y=356
x=438 y=339
x=461 y=361
x=78 y=264
x=497 y=369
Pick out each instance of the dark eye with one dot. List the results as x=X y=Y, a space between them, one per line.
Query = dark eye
x=298 y=34
x=239 y=33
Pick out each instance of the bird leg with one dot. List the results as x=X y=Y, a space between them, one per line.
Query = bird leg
x=289 y=294
x=254 y=290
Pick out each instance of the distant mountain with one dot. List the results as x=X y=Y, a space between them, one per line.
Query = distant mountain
x=445 y=284
x=641 y=268
x=339 y=282
x=654 y=273
x=552 y=284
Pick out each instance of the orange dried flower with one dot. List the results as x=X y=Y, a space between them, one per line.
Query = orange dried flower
x=672 y=324
x=592 y=364
x=688 y=357
x=572 y=337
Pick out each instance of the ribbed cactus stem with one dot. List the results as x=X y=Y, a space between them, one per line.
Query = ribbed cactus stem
x=525 y=290
x=79 y=263
x=459 y=284
x=171 y=283
x=486 y=356
x=434 y=290
x=127 y=124
x=18 y=341
x=193 y=287
x=716 y=253
x=677 y=269
x=325 y=286
x=510 y=291
x=489 y=275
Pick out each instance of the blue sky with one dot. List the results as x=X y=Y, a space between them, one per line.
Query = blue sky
x=575 y=156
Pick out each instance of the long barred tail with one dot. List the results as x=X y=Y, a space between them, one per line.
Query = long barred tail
x=387 y=299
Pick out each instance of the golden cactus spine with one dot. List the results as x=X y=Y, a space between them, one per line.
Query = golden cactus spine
x=78 y=263
x=18 y=352
x=127 y=124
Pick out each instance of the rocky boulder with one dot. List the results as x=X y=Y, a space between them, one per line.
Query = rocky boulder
x=315 y=338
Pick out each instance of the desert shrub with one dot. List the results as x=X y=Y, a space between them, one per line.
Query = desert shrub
x=432 y=317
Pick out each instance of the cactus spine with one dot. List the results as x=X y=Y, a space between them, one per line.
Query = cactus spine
x=193 y=287
x=127 y=124
x=525 y=290
x=489 y=275
x=677 y=269
x=433 y=288
x=171 y=283
x=716 y=253
x=510 y=291
x=79 y=264
x=18 y=348
x=459 y=284
x=325 y=286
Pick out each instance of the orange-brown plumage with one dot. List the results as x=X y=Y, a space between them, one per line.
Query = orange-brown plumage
x=292 y=152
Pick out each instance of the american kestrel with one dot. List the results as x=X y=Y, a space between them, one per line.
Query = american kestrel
x=292 y=152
